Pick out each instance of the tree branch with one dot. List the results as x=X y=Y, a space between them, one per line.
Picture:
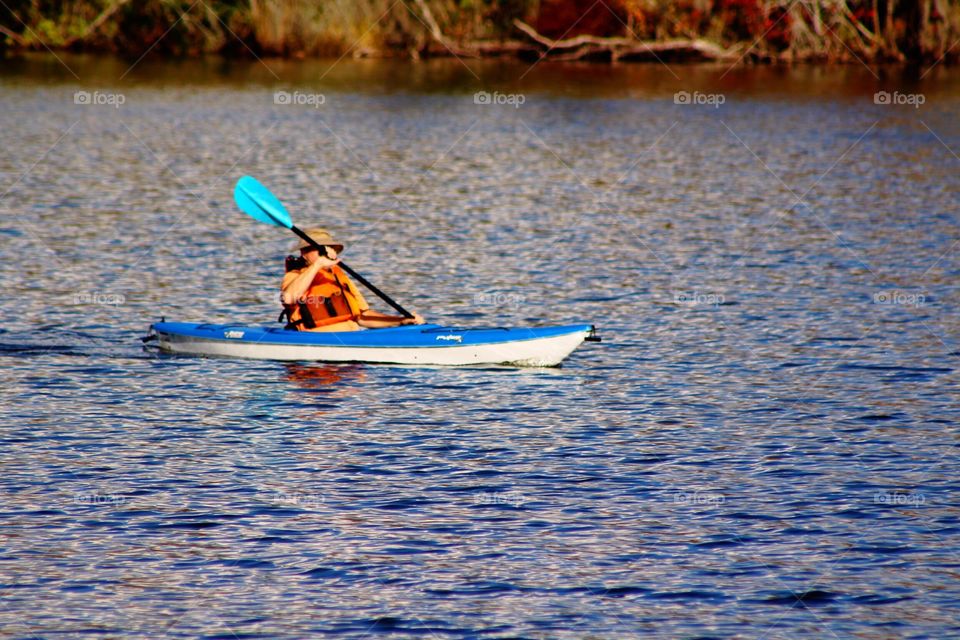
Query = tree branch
x=104 y=15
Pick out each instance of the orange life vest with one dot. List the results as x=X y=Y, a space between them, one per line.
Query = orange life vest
x=330 y=299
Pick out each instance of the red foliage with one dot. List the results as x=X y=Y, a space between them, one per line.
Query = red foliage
x=744 y=18
x=569 y=18
x=747 y=20
x=777 y=28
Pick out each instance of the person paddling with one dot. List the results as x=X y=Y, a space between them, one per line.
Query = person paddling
x=318 y=296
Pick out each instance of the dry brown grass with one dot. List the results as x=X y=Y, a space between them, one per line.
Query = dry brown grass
x=772 y=29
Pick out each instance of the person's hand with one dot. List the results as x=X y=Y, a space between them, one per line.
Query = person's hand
x=416 y=319
x=325 y=263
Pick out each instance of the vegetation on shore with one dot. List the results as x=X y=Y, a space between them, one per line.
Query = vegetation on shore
x=748 y=30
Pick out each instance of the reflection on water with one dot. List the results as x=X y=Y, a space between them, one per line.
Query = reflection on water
x=323 y=376
x=763 y=445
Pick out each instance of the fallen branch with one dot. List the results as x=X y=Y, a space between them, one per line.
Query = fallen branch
x=626 y=49
x=570 y=43
x=16 y=37
x=686 y=49
x=489 y=48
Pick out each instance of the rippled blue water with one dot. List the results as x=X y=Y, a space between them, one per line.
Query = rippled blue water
x=764 y=445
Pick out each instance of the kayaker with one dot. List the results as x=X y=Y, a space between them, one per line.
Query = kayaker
x=318 y=296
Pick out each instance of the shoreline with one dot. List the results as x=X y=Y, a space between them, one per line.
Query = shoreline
x=739 y=32
x=685 y=53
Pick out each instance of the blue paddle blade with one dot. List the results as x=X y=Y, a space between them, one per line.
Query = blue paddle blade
x=256 y=201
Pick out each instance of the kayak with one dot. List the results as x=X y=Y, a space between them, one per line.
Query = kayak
x=426 y=344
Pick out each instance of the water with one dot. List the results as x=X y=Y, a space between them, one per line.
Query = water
x=764 y=445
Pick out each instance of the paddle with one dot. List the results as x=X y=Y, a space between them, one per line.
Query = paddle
x=256 y=201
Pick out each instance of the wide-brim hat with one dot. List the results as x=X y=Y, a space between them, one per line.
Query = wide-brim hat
x=321 y=237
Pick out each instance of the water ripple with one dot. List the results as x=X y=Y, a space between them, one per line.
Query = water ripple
x=764 y=443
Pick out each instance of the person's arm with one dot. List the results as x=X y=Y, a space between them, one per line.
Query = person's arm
x=296 y=287
x=371 y=319
x=375 y=320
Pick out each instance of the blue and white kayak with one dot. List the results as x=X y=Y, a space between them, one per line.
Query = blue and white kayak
x=426 y=344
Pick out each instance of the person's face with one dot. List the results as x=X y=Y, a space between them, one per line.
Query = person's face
x=311 y=255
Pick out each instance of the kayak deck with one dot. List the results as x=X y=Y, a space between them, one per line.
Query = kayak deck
x=412 y=344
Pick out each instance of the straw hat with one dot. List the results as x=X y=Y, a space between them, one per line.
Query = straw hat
x=321 y=237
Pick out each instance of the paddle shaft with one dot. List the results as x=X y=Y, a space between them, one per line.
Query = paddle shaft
x=359 y=278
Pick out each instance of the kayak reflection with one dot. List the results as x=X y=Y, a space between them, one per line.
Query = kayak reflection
x=323 y=376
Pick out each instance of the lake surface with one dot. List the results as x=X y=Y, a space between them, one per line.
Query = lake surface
x=764 y=445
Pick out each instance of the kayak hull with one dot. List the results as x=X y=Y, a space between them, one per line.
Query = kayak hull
x=408 y=345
